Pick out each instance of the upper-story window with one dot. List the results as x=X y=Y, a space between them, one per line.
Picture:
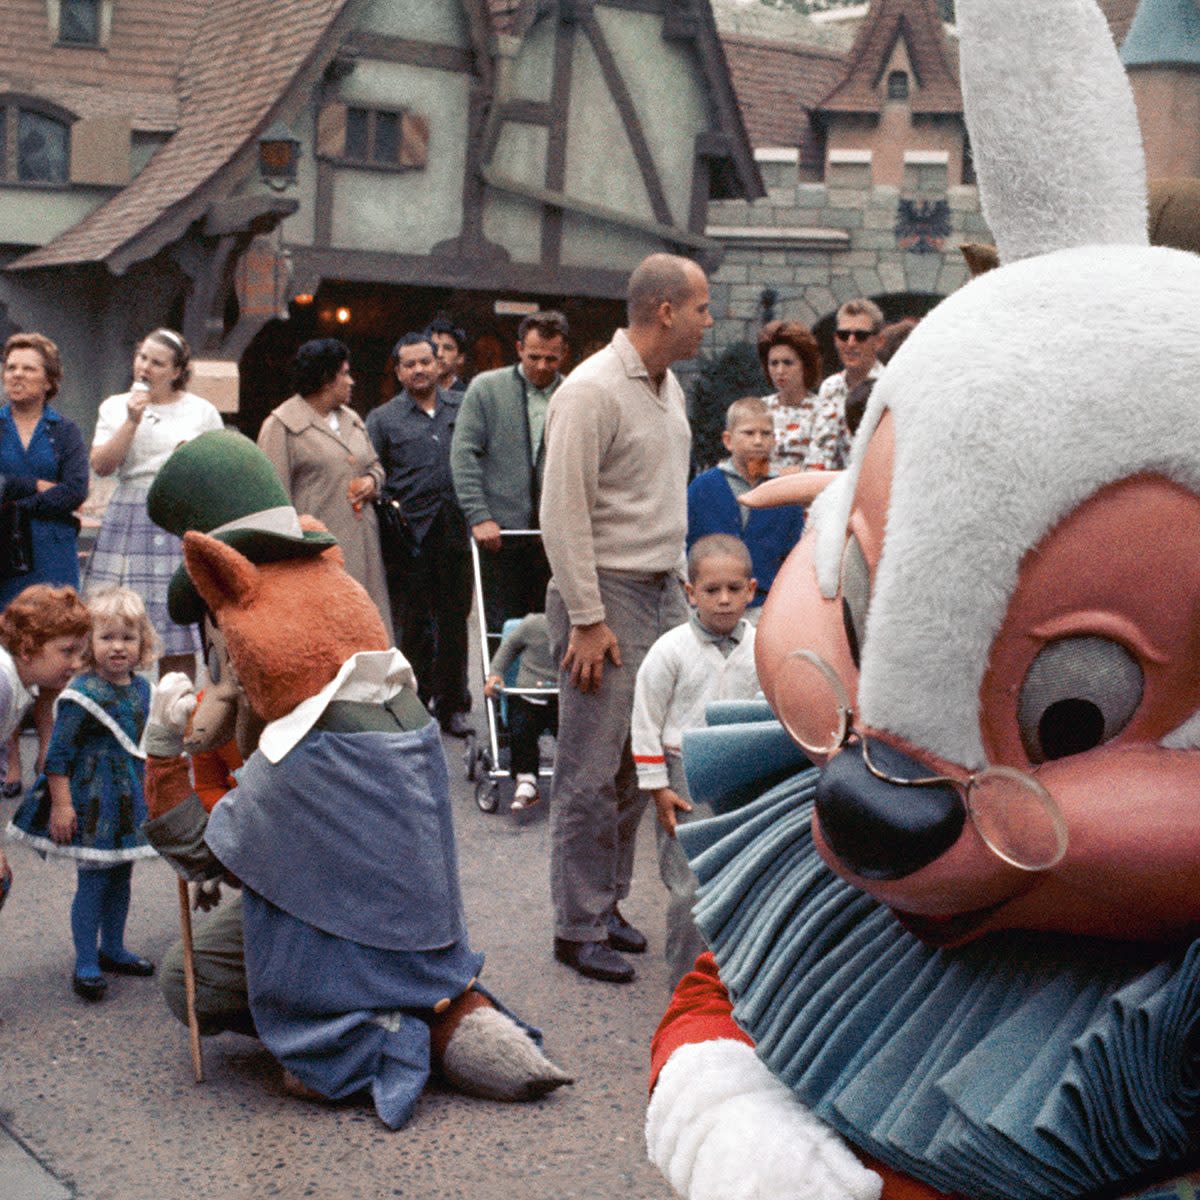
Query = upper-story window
x=82 y=23
x=79 y=22
x=35 y=143
x=897 y=85
x=391 y=139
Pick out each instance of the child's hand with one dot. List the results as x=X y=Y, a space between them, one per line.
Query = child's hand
x=492 y=685
x=62 y=823
x=668 y=803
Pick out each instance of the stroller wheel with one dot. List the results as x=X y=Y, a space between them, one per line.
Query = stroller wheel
x=471 y=757
x=487 y=795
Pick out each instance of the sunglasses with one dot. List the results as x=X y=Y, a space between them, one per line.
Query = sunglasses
x=857 y=335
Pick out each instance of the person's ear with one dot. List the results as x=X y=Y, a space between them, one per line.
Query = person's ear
x=752 y=590
x=727 y=439
x=690 y=592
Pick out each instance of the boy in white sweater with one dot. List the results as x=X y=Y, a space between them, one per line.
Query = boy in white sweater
x=709 y=657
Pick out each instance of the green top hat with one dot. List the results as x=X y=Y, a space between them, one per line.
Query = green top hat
x=222 y=484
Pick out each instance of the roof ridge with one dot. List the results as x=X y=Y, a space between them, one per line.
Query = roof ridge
x=809 y=49
x=920 y=24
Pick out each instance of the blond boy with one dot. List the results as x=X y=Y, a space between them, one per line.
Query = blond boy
x=709 y=657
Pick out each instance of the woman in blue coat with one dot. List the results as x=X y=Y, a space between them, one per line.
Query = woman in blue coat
x=44 y=452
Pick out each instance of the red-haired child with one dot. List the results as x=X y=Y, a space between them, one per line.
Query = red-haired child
x=89 y=804
x=43 y=635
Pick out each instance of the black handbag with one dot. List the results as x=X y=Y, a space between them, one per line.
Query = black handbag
x=396 y=540
x=16 y=541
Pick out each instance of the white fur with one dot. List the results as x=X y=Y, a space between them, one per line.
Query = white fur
x=1053 y=126
x=1034 y=386
x=721 y=1127
x=1014 y=401
x=491 y=1056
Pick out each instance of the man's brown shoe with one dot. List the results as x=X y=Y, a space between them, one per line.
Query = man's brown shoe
x=596 y=960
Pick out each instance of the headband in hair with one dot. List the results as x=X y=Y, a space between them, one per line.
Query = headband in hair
x=169 y=335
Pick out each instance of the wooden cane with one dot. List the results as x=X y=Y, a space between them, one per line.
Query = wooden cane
x=189 y=978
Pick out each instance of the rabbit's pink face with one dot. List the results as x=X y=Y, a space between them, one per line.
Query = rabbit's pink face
x=1088 y=679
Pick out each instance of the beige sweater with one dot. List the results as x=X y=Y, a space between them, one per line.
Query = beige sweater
x=614 y=493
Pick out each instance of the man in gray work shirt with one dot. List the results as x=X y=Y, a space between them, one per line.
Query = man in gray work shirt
x=614 y=518
x=496 y=459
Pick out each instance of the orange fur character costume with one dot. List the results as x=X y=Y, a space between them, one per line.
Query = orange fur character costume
x=357 y=967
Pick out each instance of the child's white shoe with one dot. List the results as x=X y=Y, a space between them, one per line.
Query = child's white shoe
x=527 y=794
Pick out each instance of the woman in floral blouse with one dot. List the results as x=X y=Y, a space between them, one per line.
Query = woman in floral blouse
x=807 y=431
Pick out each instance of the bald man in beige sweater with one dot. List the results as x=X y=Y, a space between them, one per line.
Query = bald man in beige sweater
x=613 y=518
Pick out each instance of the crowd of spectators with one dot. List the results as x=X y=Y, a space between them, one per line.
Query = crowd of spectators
x=573 y=490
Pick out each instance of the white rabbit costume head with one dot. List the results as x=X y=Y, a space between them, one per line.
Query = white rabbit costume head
x=1008 y=573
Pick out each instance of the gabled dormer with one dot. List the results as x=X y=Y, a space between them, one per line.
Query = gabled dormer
x=899 y=92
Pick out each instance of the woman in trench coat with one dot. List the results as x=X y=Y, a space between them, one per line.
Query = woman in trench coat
x=320 y=448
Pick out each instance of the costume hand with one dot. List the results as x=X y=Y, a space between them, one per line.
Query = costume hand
x=720 y=1124
x=487 y=534
x=491 y=685
x=172 y=702
x=587 y=648
x=208 y=895
x=669 y=803
x=62 y=823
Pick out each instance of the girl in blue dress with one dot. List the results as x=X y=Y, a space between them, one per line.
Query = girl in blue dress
x=88 y=803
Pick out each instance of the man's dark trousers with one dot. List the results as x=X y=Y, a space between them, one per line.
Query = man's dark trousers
x=430 y=596
x=514 y=580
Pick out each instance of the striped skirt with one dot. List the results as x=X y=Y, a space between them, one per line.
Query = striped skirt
x=132 y=551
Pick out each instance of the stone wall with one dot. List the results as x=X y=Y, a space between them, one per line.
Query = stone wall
x=817 y=245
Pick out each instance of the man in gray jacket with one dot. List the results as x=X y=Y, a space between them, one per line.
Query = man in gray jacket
x=496 y=461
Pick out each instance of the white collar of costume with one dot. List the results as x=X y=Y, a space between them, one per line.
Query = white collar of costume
x=371 y=676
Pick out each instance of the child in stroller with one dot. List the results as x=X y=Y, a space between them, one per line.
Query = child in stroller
x=526 y=643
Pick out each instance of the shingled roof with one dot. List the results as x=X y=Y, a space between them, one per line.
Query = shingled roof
x=934 y=66
x=135 y=75
x=778 y=85
x=235 y=74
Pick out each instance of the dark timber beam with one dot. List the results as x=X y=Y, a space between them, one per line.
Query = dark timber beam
x=629 y=119
x=410 y=52
x=556 y=142
x=312 y=266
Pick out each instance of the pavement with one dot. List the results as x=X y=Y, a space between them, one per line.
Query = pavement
x=98 y=1101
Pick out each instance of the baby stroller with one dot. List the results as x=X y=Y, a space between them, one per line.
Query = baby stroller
x=487 y=765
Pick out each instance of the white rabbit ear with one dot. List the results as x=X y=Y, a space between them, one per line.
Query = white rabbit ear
x=1053 y=126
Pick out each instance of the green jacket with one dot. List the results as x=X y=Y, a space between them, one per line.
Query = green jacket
x=495 y=475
